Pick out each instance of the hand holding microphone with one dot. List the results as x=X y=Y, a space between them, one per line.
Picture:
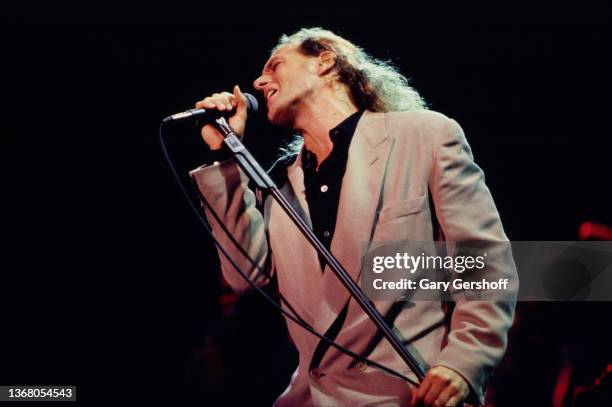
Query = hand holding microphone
x=225 y=102
x=233 y=107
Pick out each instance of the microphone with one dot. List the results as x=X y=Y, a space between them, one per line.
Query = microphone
x=210 y=115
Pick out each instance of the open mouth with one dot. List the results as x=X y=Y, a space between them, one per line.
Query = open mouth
x=271 y=93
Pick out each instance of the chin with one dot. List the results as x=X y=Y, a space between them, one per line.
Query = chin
x=280 y=118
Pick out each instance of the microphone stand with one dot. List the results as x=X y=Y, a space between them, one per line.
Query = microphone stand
x=252 y=168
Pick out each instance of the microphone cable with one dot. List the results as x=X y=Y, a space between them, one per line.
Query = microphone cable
x=296 y=319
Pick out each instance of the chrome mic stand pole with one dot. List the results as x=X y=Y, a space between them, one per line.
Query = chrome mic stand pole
x=252 y=168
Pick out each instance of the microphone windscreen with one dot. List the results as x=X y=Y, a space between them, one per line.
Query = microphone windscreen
x=252 y=104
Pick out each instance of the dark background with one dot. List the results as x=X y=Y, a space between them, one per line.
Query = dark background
x=110 y=283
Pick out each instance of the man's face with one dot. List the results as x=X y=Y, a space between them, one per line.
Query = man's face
x=288 y=80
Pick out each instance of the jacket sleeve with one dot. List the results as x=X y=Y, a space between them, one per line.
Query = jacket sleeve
x=237 y=224
x=466 y=212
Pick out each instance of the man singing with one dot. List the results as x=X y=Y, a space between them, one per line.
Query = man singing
x=372 y=160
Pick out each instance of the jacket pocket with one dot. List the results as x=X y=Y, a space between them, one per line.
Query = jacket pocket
x=402 y=208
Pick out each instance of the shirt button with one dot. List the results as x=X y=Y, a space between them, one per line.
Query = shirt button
x=316 y=373
x=324 y=188
x=361 y=366
x=326 y=233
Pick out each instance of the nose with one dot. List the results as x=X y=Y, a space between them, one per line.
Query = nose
x=260 y=82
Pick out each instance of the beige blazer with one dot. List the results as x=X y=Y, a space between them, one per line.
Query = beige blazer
x=394 y=159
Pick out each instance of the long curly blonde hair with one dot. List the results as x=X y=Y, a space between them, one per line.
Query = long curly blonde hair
x=373 y=84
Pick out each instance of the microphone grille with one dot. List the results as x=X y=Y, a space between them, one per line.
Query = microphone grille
x=252 y=103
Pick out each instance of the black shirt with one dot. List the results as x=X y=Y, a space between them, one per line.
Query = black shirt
x=323 y=186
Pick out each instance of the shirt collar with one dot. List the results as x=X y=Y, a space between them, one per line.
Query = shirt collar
x=347 y=127
x=340 y=135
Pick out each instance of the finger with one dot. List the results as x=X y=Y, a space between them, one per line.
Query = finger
x=221 y=102
x=453 y=401
x=207 y=130
x=241 y=100
x=447 y=393
x=424 y=388
x=231 y=99
x=205 y=104
x=438 y=385
x=415 y=398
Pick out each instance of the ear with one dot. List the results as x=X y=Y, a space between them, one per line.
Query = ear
x=327 y=61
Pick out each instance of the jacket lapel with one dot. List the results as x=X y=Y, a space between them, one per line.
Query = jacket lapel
x=296 y=194
x=305 y=294
x=359 y=197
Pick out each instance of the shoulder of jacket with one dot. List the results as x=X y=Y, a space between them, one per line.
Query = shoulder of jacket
x=418 y=117
x=419 y=124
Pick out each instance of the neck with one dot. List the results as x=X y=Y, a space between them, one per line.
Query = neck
x=318 y=117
